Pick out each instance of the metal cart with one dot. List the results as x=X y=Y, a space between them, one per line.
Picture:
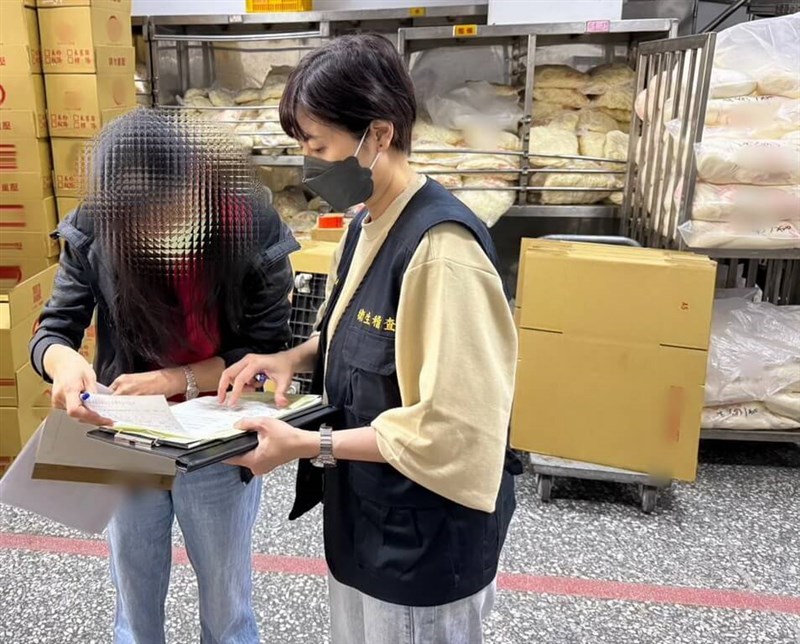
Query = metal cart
x=548 y=468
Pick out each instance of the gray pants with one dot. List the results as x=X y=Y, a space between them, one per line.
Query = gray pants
x=357 y=618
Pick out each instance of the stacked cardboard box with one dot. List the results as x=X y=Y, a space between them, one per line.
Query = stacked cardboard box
x=27 y=204
x=24 y=397
x=612 y=358
x=89 y=63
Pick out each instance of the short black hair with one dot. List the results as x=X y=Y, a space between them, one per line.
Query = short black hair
x=348 y=83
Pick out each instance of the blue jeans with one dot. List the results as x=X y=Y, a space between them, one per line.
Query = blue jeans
x=357 y=618
x=216 y=512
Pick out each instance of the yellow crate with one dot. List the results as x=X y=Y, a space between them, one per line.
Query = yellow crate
x=278 y=6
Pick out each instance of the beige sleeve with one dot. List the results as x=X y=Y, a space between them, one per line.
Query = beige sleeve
x=456 y=355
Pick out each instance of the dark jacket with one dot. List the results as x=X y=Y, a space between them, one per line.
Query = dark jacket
x=84 y=283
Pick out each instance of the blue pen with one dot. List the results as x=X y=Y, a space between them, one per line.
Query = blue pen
x=85 y=396
x=261 y=378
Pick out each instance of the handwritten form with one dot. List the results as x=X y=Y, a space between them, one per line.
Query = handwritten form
x=197 y=420
x=140 y=412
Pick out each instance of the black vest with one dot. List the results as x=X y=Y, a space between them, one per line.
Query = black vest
x=384 y=534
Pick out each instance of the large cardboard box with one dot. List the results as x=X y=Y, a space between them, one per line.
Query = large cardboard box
x=26 y=389
x=18 y=187
x=67 y=165
x=20 y=59
x=29 y=215
x=16 y=246
x=66 y=205
x=24 y=155
x=21 y=91
x=17 y=425
x=79 y=105
x=18 y=24
x=31 y=124
x=19 y=311
x=13 y=271
x=313 y=257
x=612 y=359
x=78 y=39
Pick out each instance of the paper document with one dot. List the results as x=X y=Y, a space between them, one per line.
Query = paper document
x=191 y=422
x=83 y=506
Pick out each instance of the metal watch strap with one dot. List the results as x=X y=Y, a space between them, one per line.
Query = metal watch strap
x=325 y=458
x=192 y=391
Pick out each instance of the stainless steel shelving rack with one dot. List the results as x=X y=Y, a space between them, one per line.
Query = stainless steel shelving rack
x=658 y=163
x=520 y=43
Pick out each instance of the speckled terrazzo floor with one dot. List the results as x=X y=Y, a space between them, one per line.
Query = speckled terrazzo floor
x=718 y=562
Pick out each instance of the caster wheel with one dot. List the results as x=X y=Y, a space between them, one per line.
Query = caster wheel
x=649 y=499
x=544 y=487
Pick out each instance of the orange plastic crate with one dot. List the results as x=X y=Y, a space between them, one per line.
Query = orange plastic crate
x=277 y=6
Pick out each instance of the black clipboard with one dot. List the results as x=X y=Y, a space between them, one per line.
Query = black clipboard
x=195 y=458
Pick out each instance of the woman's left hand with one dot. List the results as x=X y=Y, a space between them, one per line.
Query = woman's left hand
x=278 y=443
x=169 y=382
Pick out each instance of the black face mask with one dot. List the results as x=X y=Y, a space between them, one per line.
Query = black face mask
x=342 y=184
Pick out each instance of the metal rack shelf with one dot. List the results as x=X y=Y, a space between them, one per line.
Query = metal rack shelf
x=733 y=253
x=463 y=11
x=758 y=436
x=595 y=211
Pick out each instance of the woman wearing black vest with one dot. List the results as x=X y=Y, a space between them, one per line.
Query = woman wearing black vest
x=416 y=347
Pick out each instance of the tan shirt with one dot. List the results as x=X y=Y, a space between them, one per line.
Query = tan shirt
x=456 y=351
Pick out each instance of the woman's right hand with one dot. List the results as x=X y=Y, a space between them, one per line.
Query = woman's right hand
x=72 y=376
x=278 y=367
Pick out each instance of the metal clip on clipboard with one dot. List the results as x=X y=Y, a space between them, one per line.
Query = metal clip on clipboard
x=135 y=441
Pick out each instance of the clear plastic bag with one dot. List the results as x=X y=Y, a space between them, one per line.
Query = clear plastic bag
x=756 y=205
x=754 y=112
x=475 y=104
x=711 y=234
x=756 y=162
x=746 y=416
x=765 y=50
x=754 y=351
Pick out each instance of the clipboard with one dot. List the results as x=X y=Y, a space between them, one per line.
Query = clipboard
x=195 y=458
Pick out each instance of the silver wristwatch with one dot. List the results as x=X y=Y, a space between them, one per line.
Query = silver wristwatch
x=325 y=458
x=191 y=383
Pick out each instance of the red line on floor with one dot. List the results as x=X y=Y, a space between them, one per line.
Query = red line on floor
x=602 y=589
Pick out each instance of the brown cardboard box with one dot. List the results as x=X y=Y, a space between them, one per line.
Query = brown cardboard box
x=612 y=358
x=17 y=425
x=15 y=246
x=21 y=91
x=71 y=37
x=66 y=205
x=26 y=389
x=327 y=234
x=5 y=463
x=19 y=187
x=18 y=24
x=16 y=270
x=19 y=311
x=20 y=59
x=313 y=257
x=120 y=5
x=22 y=124
x=79 y=105
x=24 y=155
x=29 y=215
x=67 y=162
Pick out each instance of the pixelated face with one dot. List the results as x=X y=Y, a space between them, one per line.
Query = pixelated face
x=167 y=190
